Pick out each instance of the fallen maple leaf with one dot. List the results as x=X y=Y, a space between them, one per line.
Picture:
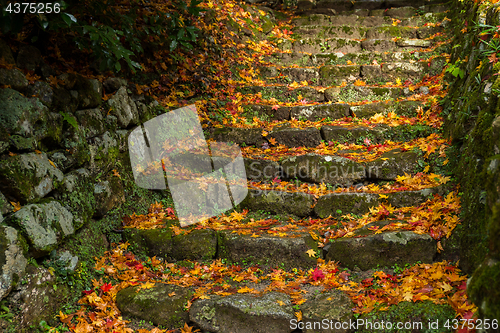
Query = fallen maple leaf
x=188 y=329
x=16 y=205
x=311 y=253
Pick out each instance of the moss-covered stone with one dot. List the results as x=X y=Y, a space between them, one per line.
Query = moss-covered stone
x=334 y=306
x=151 y=242
x=266 y=250
x=332 y=170
x=162 y=304
x=28 y=177
x=333 y=75
x=279 y=202
x=196 y=245
x=419 y=317
x=386 y=249
x=244 y=313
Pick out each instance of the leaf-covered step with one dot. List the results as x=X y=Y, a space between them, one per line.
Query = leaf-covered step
x=362 y=93
x=384 y=249
x=279 y=202
x=337 y=204
x=343 y=6
x=364 y=21
x=285 y=93
x=320 y=45
x=407 y=108
x=268 y=250
x=339 y=58
x=341 y=171
x=345 y=31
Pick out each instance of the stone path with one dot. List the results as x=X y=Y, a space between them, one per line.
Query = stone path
x=354 y=62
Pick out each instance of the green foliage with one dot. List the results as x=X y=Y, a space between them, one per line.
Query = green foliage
x=455 y=70
x=70 y=119
x=113 y=34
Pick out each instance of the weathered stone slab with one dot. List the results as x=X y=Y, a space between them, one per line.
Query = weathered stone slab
x=23 y=116
x=334 y=306
x=123 y=108
x=353 y=134
x=338 y=204
x=315 y=168
x=14 y=78
x=152 y=242
x=319 y=45
x=385 y=249
x=267 y=250
x=12 y=260
x=45 y=225
x=92 y=122
x=76 y=195
x=334 y=75
x=392 y=164
x=297 y=137
x=389 y=32
x=320 y=111
x=281 y=113
x=244 y=313
x=248 y=136
x=413 y=43
x=28 y=177
x=259 y=170
x=296 y=203
x=162 y=304
x=196 y=245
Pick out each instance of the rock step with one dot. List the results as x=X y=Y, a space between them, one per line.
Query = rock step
x=371 y=7
x=329 y=75
x=335 y=204
x=347 y=45
x=287 y=243
x=379 y=32
x=312 y=136
x=314 y=168
x=354 y=20
x=348 y=94
x=331 y=111
x=340 y=58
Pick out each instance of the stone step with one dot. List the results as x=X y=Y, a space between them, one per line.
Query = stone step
x=328 y=75
x=384 y=249
x=354 y=20
x=400 y=7
x=340 y=58
x=349 y=94
x=380 y=32
x=335 y=204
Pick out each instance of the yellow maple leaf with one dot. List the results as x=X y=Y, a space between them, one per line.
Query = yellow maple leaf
x=245 y=290
x=383 y=196
x=426 y=169
x=265 y=133
x=254 y=235
x=446 y=161
x=16 y=205
x=311 y=253
x=147 y=285
x=298 y=315
x=281 y=303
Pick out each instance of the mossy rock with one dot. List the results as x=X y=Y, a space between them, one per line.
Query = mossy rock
x=196 y=245
x=162 y=304
x=385 y=249
x=151 y=242
x=426 y=314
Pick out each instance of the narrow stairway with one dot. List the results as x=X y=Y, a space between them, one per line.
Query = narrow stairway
x=348 y=207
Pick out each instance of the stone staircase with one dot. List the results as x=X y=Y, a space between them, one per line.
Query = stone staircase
x=348 y=107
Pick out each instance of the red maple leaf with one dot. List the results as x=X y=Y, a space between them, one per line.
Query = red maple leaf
x=106 y=287
x=317 y=274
